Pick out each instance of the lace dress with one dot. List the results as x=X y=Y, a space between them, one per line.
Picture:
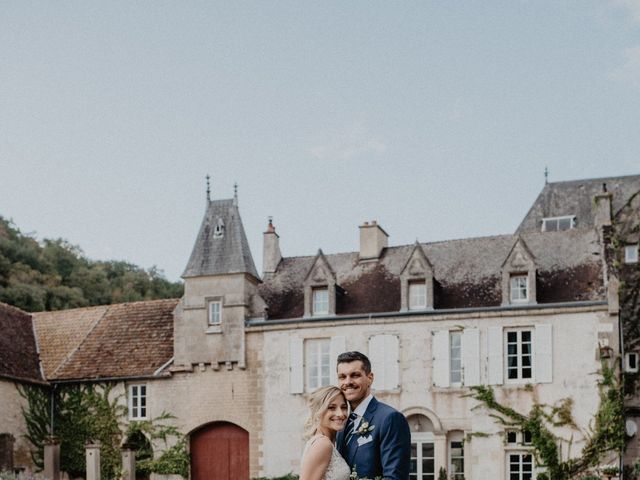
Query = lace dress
x=337 y=469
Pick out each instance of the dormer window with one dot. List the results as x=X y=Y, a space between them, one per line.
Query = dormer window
x=417 y=295
x=320 y=288
x=519 y=288
x=416 y=281
x=218 y=231
x=320 y=305
x=631 y=253
x=519 y=275
x=557 y=224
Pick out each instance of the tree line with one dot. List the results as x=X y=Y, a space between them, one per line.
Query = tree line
x=56 y=275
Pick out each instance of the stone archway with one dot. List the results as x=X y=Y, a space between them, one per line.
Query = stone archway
x=219 y=451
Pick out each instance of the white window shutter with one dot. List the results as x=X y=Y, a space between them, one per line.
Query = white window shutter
x=440 y=348
x=377 y=358
x=494 y=352
x=391 y=362
x=338 y=346
x=471 y=356
x=296 y=365
x=543 y=363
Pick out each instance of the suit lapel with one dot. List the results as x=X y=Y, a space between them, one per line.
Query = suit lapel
x=367 y=417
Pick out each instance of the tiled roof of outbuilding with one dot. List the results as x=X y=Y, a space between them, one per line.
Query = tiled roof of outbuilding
x=575 y=197
x=18 y=348
x=115 y=341
x=467 y=273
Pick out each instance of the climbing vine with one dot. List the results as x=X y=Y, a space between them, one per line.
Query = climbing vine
x=606 y=431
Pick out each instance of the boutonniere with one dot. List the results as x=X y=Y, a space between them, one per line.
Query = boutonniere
x=354 y=476
x=365 y=428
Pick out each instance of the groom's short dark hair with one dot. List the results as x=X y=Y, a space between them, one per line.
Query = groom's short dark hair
x=348 y=357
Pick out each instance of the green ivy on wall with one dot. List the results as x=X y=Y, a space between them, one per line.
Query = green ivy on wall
x=90 y=413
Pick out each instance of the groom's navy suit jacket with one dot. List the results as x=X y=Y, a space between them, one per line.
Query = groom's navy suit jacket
x=383 y=452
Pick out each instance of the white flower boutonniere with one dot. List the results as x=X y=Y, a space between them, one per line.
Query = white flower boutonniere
x=365 y=428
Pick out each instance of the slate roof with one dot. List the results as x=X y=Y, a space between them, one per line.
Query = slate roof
x=467 y=274
x=227 y=254
x=18 y=347
x=115 y=341
x=576 y=198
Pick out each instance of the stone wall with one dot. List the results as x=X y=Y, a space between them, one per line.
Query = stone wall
x=575 y=359
x=12 y=422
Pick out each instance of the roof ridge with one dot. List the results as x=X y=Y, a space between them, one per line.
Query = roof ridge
x=82 y=342
x=16 y=309
x=354 y=252
x=596 y=179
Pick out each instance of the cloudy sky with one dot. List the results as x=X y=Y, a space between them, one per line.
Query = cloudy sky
x=435 y=118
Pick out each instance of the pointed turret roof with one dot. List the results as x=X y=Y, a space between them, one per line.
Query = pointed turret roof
x=221 y=246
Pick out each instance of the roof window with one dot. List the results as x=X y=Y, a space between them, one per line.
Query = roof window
x=556 y=224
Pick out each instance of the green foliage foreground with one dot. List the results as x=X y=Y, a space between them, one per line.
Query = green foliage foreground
x=55 y=275
x=90 y=413
x=606 y=433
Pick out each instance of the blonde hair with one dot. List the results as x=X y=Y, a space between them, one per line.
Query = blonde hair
x=319 y=401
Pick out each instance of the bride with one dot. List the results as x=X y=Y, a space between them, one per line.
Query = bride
x=328 y=415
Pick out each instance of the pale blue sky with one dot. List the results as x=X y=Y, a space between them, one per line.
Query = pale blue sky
x=435 y=118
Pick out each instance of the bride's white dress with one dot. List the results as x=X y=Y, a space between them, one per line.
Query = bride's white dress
x=337 y=469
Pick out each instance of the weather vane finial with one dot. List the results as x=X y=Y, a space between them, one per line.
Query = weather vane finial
x=235 y=192
x=546 y=175
x=208 y=188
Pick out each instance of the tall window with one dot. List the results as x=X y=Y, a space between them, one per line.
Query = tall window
x=422 y=465
x=455 y=358
x=137 y=402
x=317 y=353
x=417 y=295
x=456 y=456
x=215 y=312
x=519 y=354
x=520 y=466
x=631 y=253
x=555 y=224
x=320 y=300
x=519 y=291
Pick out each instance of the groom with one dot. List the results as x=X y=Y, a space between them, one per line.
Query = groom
x=376 y=440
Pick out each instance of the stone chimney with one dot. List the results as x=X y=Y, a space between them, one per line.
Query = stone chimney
x=373 y=239
x=602 y=208
x=271 y=255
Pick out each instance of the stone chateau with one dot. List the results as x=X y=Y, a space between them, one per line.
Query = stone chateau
x=530 y=314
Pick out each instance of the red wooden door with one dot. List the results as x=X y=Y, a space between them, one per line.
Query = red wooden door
x=220 y=451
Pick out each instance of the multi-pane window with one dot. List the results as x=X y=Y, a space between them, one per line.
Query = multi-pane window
x=417 y=295
x=320 y=305
x=519 y=354
x=516 y=437
x=422 y=465
x=215 y=312
x=137 y=402
x=519 y=291
x=631 y=253
x=520 y=466
x=455 y=358
x=555 y=224
x=456 y=459
x=317 y=353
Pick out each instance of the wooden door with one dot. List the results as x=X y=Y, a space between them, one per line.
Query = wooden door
x=220 y=451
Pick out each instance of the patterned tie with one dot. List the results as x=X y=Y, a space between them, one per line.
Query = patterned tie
x=349 y=429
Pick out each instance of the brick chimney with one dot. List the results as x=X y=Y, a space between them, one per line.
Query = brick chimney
x=602 y=207
x=271 y=255
x=373 y=239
